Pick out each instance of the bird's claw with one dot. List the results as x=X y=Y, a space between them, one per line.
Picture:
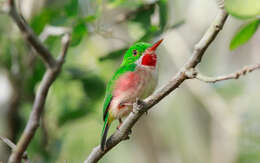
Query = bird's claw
x=140 y=102
x=138 y=105
x=130 y=132
x=128 y=135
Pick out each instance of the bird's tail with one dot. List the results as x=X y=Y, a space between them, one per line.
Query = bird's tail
x=104 y=132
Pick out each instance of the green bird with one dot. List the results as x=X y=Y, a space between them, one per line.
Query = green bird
x=136 y=78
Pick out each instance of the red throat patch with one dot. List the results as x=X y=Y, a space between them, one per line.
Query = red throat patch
x=149 y=60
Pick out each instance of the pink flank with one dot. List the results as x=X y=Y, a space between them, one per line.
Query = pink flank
x=127 y=82
x=132 y=85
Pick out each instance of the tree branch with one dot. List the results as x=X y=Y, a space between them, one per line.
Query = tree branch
x=29 y=35
x=53 y=69
x=33 y=123
x=235 y=75
x=13 y=146
x=141 y=107
x=50 y=30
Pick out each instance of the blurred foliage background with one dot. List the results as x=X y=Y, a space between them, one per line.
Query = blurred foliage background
x=199 y=122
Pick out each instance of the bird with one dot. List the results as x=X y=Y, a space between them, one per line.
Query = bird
x=136 y=78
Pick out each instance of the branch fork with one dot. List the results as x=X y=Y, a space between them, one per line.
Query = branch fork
x=235 y=75
x=53 y=68
x=10 y=144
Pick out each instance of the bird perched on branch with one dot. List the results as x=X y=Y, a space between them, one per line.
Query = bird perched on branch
x=136 y=78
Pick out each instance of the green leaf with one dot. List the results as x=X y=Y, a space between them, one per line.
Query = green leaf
x=5 y=52
x=243 y=9
x=71 y=9
x=78 y=33
x=52 y=42
x=35 y=78
x=90 y=18
x=57 y=15
x=244 y=34
x=142 y=15
x=45 y=17
x=151 y=33
x=163 y=13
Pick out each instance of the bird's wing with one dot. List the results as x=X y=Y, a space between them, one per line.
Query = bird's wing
x=110 y=86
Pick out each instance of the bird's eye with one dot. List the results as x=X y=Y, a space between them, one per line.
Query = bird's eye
x=134 y=52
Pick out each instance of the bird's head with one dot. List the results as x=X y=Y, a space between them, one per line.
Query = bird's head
x=143 y=53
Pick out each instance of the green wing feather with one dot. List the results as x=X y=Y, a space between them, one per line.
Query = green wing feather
x=110 y=86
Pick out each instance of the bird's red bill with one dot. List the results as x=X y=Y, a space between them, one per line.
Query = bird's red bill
x=155 y=45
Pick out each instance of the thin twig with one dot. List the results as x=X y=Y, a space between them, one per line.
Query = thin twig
x=13 y=146
x=235 y=75
x=175 y=82
x=8 y=142
x=50 y=30
x=65 y=41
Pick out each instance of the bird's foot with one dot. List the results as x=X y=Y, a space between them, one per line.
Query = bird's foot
x=128 y=135
x=130 y=132
x=139 y=105
x=140 y=102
